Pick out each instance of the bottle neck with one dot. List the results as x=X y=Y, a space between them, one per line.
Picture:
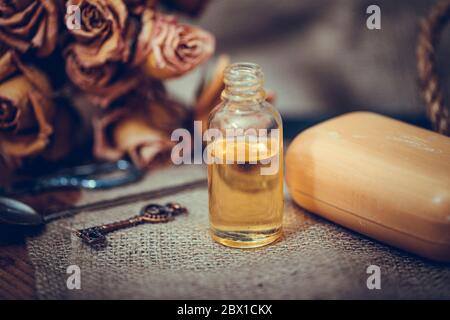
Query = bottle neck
x=244 y=84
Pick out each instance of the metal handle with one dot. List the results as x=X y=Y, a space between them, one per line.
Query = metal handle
x=81 y=177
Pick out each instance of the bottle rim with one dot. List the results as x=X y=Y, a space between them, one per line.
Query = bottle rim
x=243 y=81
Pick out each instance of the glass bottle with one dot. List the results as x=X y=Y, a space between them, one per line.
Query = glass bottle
x=245 y=170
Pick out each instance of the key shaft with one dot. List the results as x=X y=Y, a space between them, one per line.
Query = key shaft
x=149 y=214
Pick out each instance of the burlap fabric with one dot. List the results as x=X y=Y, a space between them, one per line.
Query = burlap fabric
x=178 y=260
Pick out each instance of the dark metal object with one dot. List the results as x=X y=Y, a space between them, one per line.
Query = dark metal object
x=13 y=212
x=142 y=196
x=152 y=213
x=81 y=177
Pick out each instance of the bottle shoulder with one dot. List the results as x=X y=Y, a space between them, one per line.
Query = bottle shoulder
x=254 y=115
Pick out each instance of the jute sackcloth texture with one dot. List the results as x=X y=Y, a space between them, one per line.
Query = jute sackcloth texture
x=178 y=260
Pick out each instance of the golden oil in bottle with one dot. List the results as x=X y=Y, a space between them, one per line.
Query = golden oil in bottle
x=245 y=176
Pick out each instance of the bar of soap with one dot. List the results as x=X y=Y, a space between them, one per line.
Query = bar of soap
x=377 y=176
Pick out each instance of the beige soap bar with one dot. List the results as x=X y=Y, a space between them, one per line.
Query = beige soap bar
x=377 y=176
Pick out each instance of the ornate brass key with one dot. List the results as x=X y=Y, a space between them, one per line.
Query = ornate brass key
x=152 y=213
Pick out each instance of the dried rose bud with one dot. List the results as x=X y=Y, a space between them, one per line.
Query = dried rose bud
x=103 y=84
x=177 y=48
x=29 y=25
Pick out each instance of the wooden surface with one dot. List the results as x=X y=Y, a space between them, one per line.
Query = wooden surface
x=16 y=271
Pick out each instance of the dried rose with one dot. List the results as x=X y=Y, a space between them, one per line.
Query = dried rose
x=29 y=25
x=177 y=48
x=109 y=32
x=107 y=74
x=140 y=128
x=26 y=109
x=104 y=83
x=140 y=140
x=120 y=132
x=100 y=36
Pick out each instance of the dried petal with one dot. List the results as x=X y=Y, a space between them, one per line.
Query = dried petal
x=209 y=93
x=29 y=25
